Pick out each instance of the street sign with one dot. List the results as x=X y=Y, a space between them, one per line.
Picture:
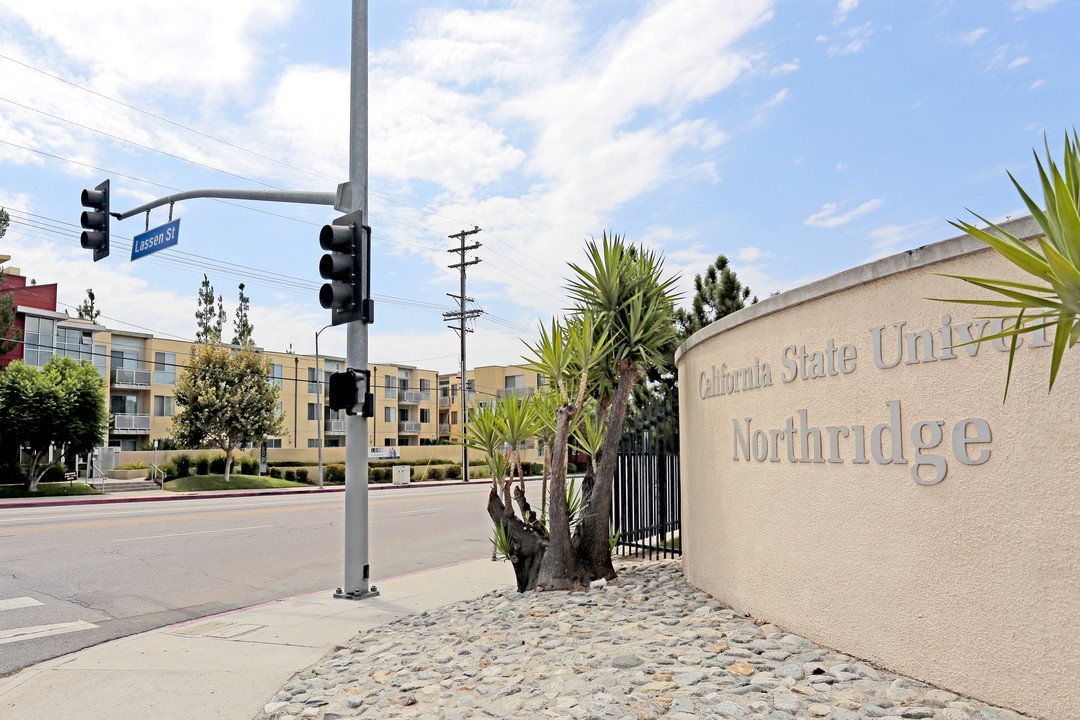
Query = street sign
x=71 y=476
x=156 y=239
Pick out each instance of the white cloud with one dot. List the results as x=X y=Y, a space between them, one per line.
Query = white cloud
x=972 y=37
x=1037 y=84
x=750 y=254
x=857 y=38
x=891 y=239
x=1018 y=62
x=841 y=166
x=828 y=217
x=843 y=7
x=785 y=68
x=1033 y=5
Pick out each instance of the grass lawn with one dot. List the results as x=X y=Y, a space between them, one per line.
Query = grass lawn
x=48 y=490
x=236 y=482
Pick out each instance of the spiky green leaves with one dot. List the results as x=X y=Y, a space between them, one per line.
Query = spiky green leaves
x=1056 y=261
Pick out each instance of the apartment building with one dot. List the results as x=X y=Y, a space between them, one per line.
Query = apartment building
x=413 y=406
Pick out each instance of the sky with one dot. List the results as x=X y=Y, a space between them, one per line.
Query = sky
x=798 y=138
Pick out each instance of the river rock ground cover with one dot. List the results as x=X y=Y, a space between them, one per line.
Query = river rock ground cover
x=646 y=646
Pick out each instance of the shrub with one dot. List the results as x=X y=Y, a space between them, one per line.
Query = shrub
x=434 y=473
x=182 y=463
x=54 y=473
x=290 y=475
x=202 y=465
x=248 y=466
x=334 y=474
x=384 y=475
x=275 y=472
x=134 y=465
x=217 y=464
x=301 y=475
x=453 y=472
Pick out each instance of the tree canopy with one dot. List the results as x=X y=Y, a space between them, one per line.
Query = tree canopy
x=226 y=398
x=65 y=405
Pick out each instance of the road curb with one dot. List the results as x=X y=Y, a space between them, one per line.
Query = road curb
x=95 y=500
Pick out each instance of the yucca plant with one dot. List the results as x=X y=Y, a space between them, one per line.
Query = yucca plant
x=1055 y=262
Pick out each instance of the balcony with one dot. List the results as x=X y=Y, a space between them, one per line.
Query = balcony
x=445 y=401
x=409 y=397
x=409 y=427
x=131 y=378
x=130 y=424
x=444 y=429
x=516 y=392
x=334 y=427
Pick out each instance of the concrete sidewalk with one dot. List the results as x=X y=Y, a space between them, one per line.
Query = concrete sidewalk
x=229 y=665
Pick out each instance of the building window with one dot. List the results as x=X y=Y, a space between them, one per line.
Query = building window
x=453 y=418
x=38 y=337
x=425 y=415
x=313 y=442
x=425 y=389
x=273 y=442
x=165 y=368
x=390 y=393
x=164 y=405
x=313 y=381
x=389 y=414
x=277 y=372
x=312 y=411
x=390 y=442
x=123 y=404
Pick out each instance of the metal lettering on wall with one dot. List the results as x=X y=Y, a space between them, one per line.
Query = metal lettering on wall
x=800 y=441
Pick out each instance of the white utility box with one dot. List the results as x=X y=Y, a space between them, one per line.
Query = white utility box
x=402 y=474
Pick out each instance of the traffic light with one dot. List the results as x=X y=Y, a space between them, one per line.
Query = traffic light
x=95 y=222
x=348 y=268
x=348 y=391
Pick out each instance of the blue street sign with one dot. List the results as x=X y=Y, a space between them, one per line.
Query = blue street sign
x=159 y=238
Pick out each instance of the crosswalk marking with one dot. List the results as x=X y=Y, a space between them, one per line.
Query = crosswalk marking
x=40 y=631
x=19 y=602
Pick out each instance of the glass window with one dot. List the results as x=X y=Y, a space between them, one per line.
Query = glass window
x=512 y=381
x=389 y=414
x=123 y=404
x=165 y=368
x=124 y=359
x=425 y=415
x=164 y=405
x=425 y=389
x=313 y=381
x=276 y=374
x=390 y=442
x=38 y=340
x=273 y=442
x=100 y=353
x=313 y=442
x=453 y=418
x=390 y=393
x=312 y=411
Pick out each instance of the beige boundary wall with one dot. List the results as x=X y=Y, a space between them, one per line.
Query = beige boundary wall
x=966 y=576
x=437 y=454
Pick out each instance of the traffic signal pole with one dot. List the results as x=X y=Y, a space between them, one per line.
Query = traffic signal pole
x=357 y=574
x=351 y=197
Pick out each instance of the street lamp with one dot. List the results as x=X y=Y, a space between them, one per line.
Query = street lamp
x=319 y=419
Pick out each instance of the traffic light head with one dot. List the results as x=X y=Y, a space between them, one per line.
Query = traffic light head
x=347 y=267
x=348 y=391
x=95 y=221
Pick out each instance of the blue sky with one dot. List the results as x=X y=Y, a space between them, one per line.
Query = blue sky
x=798 y=138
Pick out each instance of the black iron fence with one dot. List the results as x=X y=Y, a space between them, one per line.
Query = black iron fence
x=645 y=507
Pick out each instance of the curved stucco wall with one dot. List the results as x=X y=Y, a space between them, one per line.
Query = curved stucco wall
x=971 y=583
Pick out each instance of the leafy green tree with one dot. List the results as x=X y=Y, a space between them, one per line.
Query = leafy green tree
x=1055 y=262
x=88 y=310
x=63 y=405
x=226 y=398
x=5 y=220
x=242 y=328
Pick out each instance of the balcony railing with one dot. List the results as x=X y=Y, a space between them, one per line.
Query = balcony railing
x=409 y=397
x=444 y=428
x=334 y=427
x=409 y=427
x=140 y=378
x=131 y=423
x=516 y=392
x=444 y=400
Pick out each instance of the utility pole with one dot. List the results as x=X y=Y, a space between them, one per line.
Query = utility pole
x=461 y=316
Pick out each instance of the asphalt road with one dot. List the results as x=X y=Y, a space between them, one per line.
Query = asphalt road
x=71 y=577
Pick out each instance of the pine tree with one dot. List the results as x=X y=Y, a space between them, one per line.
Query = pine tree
x=716 y=294
x=208 y=318
x=88 y=311
x=242 y=327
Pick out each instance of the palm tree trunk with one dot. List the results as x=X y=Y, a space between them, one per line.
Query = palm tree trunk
x=594 y=532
